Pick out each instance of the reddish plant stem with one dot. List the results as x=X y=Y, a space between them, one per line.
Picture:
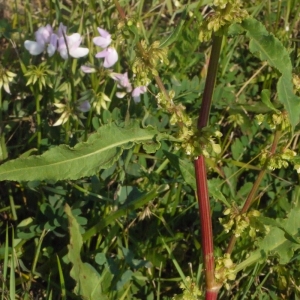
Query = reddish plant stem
x=120 y=10
x=210 y=82
x=212 y=287
x=251 y=197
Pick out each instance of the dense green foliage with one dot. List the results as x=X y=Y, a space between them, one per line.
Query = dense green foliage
x=100 y=204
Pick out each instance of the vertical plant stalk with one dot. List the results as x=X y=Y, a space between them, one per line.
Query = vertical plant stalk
x=38 y=118
x=3 y=148
x=212 y=287
x=251 y=197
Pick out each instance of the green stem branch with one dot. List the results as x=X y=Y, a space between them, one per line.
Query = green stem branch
x=251 y=197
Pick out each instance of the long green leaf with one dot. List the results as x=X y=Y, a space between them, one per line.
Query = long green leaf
x=268 y=48
x=85 y=275
x=63 y=162
x=167 y=41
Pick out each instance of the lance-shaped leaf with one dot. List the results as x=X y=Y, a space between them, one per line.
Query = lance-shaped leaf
x=268 y=48
x=101 y=150
x=88 y=280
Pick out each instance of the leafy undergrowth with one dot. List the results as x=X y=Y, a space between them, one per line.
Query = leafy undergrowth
x=99 y=203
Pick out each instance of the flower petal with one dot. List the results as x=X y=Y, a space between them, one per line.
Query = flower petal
x=111 y=58
x=101 y=54
x=79 y=52
x=103 y=32
x=136 y=93
x=120 y=94
x=101 y=41
x=34 y=48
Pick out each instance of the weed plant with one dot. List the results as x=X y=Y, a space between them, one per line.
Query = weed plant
x=122 y=122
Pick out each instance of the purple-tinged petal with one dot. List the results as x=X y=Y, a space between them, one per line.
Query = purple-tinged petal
x=101 y=42
x=52 y=45
x=43 y=34
x=122 y=81
x=103 y=32
x=61 y=30
x=110 y=57
x=84 y=106
x=136 y=93
x=104 y=39
x=101 y=54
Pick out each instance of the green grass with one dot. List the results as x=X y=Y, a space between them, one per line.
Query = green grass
x=138 y=217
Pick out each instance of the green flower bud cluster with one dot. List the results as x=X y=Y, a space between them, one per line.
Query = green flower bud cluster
x=39 y=75
x=206 y=138
x=224 y=269
x=193 y=141
x=296 y=82
x=149 y=58
x=190 y=290
x=277 y=121
x=239 y=221
x=278 y=160
x=226 y=12
x=236 y=120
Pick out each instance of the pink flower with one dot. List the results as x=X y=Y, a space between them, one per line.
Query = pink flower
x=43 y=34
x=110 y=56
x=122 y=81
x=70 y=45
x=103 y=40
x=43 y=37
x=136 y=93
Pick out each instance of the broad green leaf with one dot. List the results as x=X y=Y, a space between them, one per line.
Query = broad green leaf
x=185 y=166
x=125 y=278
x=288 y=98
x=86 y=277
x=102 y=149
x=187 y=170
x=265 y=98
x=281 y=241
x=268 y=48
